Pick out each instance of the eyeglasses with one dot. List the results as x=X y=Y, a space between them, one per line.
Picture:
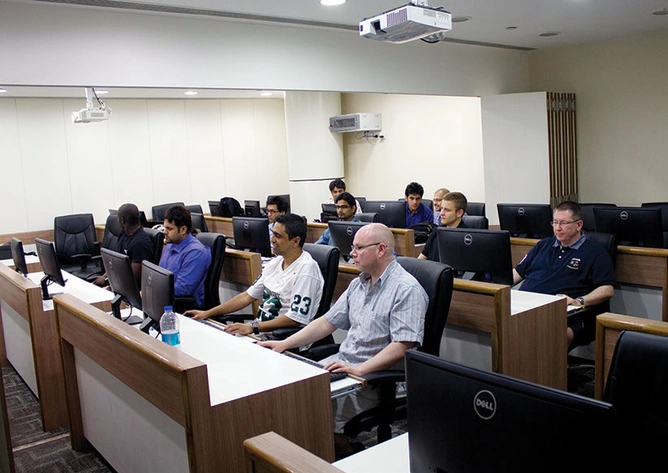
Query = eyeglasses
x=358 y=248
x=269 y=211
x=554 y=223
x=343 y=207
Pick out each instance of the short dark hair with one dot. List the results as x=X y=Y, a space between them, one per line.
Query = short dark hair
x=179 y=216
x=280 y=203
x=130 y=213
x=295 y=226
x=414 y=188
x=458 y=198
x=348 y=197
x=337 y=183
x=572 y=207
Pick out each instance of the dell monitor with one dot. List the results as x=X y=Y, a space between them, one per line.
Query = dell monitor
x=664 y=211
x=526 y=220
x=485 y=253
x=46 y=252
x=588 y=215
x=252 y=208
x=122 y=281
x=157 y=291
x=392 y=213
x=634 y=226
x=462 y=419
x=213 y=208
x=342 y=234
x=18 y=256
x=328 y=213
x=252 y=234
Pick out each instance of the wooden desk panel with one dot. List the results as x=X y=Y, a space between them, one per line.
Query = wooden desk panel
x=220 y=225
x=608 y=329
x=404 y=238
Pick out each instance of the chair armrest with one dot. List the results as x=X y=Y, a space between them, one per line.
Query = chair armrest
x=284 y=332
x=184 y=303
x=321 y=352
x=385 y=376
x=241 y=318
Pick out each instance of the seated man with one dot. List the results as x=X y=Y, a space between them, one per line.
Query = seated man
x=275 y=206
x=336 y=187
x=438 y=198
x=568 y=264
x=416 y=211
x=383 y=311
x=453 y=207
x=290 y=286
x=184 y=255
x=345 y=209
x=132 y=241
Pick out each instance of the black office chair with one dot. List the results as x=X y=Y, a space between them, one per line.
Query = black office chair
x=112 y=230
x=198 y=223
x=664 y=217
x=637 y=387
x=158 y=211
x=158 y=240
x=195 y=208
x=76 y=244
x=476 y=208
x=367 y=217
x=216 y=242
x=476 y=221
x=361 y=201
x=609 y=241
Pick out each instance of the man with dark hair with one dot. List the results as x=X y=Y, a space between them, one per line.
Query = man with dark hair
x=337 y=187
x=453 y=207
x=416 y=211
x=275 y=206
x=570 y=265
x=345 y=209
x=184 y=255
x=132 y=241
x=289 y=288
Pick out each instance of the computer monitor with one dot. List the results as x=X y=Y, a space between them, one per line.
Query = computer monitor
x=252 y=234
x=122 y=281
x=252 y=208
x=664 y=211
x=46 y=252
x=342 y=234
x=157 y=291
x=328 y=213
x=526 y=220
x=18 y=256
x=390 y=212
x=482 y=255
x=634 y=226
x=465 y=420
x=587 y=210
x=213 y=208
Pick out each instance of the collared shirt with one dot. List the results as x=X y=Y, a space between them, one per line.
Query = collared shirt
x=325 y=237
x=357 y=205
x=189 y=261
x=422 y=214
x=437 y=218
x=392 y=310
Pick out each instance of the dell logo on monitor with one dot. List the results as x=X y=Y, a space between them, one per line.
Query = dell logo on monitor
x=520 y=211
x=624 y=215
x=484 y=404
x=349 y=231
x=468 y=239
x=246 y=225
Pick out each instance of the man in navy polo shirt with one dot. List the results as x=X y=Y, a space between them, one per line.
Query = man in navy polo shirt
x=568 y=264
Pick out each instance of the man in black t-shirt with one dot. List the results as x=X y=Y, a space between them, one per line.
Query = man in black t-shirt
x=453 y=207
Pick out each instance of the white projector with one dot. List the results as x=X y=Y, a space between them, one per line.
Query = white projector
x=406 y=23
x=91 y=115
x=356 y=122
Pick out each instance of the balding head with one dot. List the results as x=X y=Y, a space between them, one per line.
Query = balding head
x=375 y=244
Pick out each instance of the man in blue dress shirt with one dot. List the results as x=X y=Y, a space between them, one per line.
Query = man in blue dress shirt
x=346 y=208
x=184 y=255
x=416 y=211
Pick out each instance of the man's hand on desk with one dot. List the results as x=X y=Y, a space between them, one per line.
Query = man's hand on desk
x=340 y=367
x=196 y=314
x=239 y=329
x=278 y=346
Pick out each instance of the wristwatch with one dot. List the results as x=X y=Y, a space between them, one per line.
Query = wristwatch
x=581 y=300
x=255 y=325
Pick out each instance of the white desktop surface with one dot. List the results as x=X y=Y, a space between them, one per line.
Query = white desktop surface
x=521 y=301
x=387 y=457
x=75 y=286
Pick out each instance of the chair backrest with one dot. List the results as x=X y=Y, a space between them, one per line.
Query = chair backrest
x=158 y=240
x=216 y=242
x=327 y=258
x=476 y=208
x=367 y=217
x=437 y=280
x=158 y=211
x=195 y=208
x=74 y=235
x=637 y=388
x=112 y=230
x=608 y=241
x=476 y=221
x=198 y=222
x=362 y=201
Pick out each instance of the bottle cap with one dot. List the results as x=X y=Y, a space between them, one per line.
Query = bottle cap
x=168 y=308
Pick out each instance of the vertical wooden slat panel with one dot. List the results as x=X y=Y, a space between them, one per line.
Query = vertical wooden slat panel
x=562 y=147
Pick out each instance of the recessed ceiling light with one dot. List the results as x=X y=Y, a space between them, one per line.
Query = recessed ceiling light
x=2 y=91
x=550 y=33
x=266 y=94
x=101 y=92
x=190 y=92
x=660 y=12
x=332 y=2
x=460 y=19
x=511 y=27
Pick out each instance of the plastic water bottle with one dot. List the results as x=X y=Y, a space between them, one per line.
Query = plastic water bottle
x=169 y=327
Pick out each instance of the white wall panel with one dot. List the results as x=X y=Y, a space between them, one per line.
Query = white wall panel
x=13 y=188
x=271 y=148
x=239 y=150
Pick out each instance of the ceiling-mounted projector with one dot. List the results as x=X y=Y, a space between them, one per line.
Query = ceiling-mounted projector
x=92 y=113
x=406 y=23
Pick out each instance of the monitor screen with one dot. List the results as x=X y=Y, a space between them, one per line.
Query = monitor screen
x=122 y=281
x=392 y=213
x=588 y=215
x=526 y=220
x=213 y=208
x=634 y=226
x=342 y=234
x=252 y=208
x=157 y=291
x=252 y=234
x=328 y=213
x=664 y=211
x=46 y=252
x=485 y=253
x=465 y=420
x=18 y=256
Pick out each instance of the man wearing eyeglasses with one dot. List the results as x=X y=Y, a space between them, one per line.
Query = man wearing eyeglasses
x=568 y=264
x=383 y=311
x=345 y=210
x=275 y=206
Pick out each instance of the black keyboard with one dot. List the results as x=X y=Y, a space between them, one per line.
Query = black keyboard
x=332 y=376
